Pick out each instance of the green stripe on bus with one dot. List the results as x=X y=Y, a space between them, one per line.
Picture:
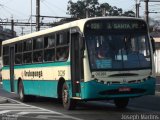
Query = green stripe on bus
x=38 y=65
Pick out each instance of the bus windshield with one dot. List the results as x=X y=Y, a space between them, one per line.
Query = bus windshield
x=118 y=47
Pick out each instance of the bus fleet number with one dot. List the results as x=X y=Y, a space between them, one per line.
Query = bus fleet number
x=61 y=72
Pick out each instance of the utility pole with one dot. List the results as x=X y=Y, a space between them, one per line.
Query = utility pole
x=137 y=9
x=22 y=30
x=146 y=11
x=31 y=17
x=12 y=27
x=37 y=15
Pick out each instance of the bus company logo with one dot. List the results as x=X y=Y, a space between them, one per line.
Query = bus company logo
x=33 y=74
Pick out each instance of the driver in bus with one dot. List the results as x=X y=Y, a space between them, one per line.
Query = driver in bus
x=103 y=52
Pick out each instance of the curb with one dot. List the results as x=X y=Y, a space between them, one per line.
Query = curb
x=7 y=100
x=3 y=100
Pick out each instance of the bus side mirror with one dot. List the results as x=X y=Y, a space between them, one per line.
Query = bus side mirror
x=153 y=44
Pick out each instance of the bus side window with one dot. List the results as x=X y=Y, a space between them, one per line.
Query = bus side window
x=27 y=45
x=49 y=55
x=18 y=53
x=49 y=45
x=27 y=58
x=27 y=51
x=62 y=53
x=49 y=41
x=38 y=50
x=62 y=38
x=38 y=56
x=62 y=50
x=6 y=55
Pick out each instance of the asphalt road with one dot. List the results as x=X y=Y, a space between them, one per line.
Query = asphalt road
x=143 y=108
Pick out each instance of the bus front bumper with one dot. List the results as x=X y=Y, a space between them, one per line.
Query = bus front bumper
x=96 y=90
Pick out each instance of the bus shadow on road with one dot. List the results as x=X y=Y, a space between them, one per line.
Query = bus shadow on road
x=81 y=105
x=135 y=105
x=101 y=106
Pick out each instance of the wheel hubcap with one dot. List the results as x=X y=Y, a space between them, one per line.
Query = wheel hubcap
x=65 y=95
x=20 y=92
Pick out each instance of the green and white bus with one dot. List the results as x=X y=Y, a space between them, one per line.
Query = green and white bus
x=106 y=58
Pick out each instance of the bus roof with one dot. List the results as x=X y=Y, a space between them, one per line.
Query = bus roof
x=78 y=23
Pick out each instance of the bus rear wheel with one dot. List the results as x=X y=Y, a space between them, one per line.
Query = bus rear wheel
x=21 y=94
x=68 y=103
x=121 y=102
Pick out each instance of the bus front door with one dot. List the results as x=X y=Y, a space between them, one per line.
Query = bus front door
x=76 y=65
x=12 y=69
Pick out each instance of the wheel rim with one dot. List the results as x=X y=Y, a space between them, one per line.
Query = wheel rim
x=65 y=95
x=20 y=91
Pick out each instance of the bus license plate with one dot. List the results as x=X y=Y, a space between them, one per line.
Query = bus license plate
x=124 y=89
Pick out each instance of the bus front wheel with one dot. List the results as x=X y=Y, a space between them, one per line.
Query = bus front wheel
x=68 y=103
x=121 y=102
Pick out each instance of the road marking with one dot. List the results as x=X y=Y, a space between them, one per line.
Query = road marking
x=5 y=104
x=36 y=112
x=24 y=109
x=50 y=116
x=4 y=111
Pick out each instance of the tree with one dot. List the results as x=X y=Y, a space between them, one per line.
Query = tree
x=114 y=11
x=129 y=13
x=93 y=8
x=76 y=9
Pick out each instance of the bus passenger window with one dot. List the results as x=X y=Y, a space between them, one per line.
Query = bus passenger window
x=49 y=41
x=27 y=45
x=49 y=55
x=62 y=53
x=18 y=53
x=38 y=50
x=18 y=59
x=6 y=55
x=6 y=50
x=6 y=60
x=38 y=56
x=27 y=57
x=18 y=47
x=27 y=48
x=62 y=38
x=38 y=43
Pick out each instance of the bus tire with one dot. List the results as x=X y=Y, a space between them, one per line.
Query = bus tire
x=68 y=103
x=21 y=94
x=121 y=102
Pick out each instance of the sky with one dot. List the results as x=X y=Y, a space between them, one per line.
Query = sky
x=21 y=9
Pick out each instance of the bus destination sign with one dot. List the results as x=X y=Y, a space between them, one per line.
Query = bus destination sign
x=122 y=26
x=116 y=25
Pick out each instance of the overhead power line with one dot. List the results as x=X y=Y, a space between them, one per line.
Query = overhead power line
x=43 y=16
x=24 y=24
